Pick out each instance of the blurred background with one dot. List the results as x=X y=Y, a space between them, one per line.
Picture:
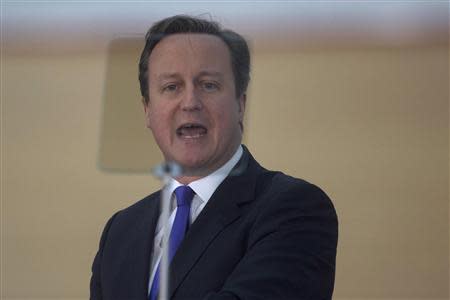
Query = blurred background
x=352 y=96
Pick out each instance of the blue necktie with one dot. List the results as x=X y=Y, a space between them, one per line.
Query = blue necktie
x=184 y=195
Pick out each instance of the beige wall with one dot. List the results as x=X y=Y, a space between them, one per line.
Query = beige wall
x=369 y=126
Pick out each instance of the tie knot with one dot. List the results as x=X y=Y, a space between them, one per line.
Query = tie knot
x=184 y=195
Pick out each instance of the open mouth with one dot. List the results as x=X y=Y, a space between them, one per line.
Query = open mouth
x=191 y=131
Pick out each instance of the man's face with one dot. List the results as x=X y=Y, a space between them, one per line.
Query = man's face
x=193 y=111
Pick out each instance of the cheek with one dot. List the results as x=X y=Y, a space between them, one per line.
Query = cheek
x=227 y=118
x=157 y=122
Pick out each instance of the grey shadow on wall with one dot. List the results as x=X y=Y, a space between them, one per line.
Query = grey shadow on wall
x=126 y=145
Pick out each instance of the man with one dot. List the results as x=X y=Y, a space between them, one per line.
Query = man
x=250 y=233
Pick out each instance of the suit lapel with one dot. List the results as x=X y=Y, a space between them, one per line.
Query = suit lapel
x=221 y=210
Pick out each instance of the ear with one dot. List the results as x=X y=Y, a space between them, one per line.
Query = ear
x=146 y=112
x=241 y=102
x=241 y=109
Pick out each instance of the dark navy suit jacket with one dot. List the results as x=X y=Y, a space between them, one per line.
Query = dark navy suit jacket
x=262 y=235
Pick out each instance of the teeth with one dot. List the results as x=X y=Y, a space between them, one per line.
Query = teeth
x=193 y=136
x=191 y=131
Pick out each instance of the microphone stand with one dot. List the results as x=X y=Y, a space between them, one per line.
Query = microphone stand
x=165 y=172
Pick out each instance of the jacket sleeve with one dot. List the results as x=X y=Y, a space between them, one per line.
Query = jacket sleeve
x=95 y=284
x=291 y=251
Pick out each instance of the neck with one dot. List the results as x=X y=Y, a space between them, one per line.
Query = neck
x=188 y=179
x=190 y=174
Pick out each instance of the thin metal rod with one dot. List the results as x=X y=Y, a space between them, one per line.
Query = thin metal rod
x=165 y=172
x=164 y=266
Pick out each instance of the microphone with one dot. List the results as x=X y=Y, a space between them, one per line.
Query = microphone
x=167 y=169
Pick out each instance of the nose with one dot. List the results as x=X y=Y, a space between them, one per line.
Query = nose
x=191 y=100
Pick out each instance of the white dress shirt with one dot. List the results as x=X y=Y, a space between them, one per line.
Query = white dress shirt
x=203 y=188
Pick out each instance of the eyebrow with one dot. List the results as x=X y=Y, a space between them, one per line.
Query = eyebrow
x=164 y=76
x=210 y=73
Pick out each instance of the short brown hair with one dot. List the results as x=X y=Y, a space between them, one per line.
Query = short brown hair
x=239 y=52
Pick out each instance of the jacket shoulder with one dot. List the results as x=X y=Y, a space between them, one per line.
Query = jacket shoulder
x=136 y=216
x=284 y=190
x=148 y=202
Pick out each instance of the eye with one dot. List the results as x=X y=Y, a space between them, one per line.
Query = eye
x=209 y=86
x=171 y=87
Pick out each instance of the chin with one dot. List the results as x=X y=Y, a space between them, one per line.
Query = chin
x=192 y=166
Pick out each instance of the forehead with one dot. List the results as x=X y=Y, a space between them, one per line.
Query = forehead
x=190 y=51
